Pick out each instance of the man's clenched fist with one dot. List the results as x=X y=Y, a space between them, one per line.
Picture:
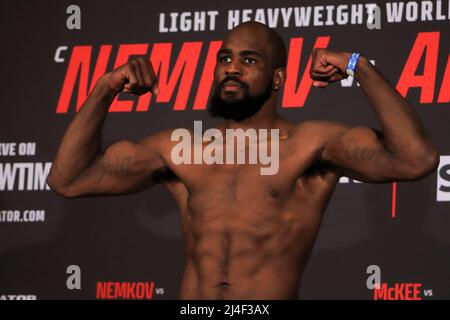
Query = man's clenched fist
x=136 y=77
x=328 y=66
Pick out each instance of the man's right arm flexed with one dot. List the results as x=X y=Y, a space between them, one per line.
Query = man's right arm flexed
x=80 y=168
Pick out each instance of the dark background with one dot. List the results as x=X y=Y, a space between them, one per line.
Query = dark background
x=138 y=237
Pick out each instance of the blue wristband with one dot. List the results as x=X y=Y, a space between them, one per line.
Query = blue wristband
x=352 y=62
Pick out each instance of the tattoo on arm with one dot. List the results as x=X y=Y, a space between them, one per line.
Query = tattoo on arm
x=361 y=153
x=106 y=167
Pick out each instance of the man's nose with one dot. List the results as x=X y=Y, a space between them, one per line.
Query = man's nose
x=233 y=68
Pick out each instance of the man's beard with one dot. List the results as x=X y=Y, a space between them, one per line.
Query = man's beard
x=237 y=109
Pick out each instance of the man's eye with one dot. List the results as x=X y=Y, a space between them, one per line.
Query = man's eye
x=249 y=60
x=225 y=59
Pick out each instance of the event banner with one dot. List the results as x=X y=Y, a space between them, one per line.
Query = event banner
x=132 y=246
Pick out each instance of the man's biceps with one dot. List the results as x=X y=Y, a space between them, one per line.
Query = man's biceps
x=120 y=149
x=355 y=147
x=362 y=140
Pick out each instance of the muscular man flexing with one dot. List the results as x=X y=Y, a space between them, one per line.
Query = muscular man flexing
x=247 y=235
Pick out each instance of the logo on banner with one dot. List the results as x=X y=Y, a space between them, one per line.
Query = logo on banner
x=127 y=290
x=396 y=290
x=443 y=179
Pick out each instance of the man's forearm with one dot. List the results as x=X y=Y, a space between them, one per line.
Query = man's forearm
x=404 y=135
x=80 y=144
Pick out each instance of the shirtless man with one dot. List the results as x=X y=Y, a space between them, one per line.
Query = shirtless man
x=247 y=235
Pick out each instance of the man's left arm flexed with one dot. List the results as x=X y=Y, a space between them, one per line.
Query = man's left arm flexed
x=400 y=151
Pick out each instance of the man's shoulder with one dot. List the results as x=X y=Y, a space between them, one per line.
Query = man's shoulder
x=319 y=129
x=160 y=140
x=329 y=130
x=322 y=124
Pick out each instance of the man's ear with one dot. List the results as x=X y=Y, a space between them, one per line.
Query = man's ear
x=279 y=78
